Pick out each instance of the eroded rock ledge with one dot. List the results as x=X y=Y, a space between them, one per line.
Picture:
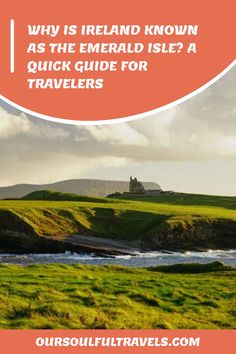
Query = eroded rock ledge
x=173 y=234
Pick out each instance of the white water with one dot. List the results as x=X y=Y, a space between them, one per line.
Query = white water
x=139 y=260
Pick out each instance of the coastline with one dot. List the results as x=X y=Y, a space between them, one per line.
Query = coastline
x=25 y=244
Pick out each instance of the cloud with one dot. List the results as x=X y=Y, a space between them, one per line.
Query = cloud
x=118 y=134
x=53 y=167
x=200 y=129
x=15 y=123
x=12 y=124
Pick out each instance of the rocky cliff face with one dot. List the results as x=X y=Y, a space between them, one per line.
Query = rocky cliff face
x=18 y=236
x=197 y=234
x=174 y=234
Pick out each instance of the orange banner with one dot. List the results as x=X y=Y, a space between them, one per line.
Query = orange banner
x=103 y=60
x=118 y=341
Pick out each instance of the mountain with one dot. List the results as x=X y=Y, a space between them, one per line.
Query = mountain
x=91 y=187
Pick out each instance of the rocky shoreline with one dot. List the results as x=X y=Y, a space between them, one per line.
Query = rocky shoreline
x=25 y=243
x=200 y=237
x=105 y=233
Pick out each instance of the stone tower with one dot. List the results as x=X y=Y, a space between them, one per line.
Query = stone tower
x=135 y=186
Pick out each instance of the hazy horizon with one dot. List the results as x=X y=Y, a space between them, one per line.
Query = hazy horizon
x=122 y=180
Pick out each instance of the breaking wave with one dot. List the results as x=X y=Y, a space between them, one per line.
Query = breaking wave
x=147 y=259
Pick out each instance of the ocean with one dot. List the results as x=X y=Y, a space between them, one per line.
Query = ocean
x=148 y=259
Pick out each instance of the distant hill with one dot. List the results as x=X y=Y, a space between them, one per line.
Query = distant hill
x=59 y=196
x=91 y=187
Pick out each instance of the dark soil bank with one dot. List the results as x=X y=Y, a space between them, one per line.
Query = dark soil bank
x=18 y=236
x=198 y=235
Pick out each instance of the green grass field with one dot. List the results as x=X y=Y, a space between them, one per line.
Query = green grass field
x=65 y=214
x=66 y=296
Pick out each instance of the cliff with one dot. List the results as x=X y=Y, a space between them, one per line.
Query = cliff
x=109 y=226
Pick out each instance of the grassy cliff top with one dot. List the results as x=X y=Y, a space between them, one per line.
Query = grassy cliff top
x=187 y=199
x=59 y=196
x=165 y=204
x=60 y=214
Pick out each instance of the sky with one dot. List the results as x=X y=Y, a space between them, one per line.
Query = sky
x=189 y=148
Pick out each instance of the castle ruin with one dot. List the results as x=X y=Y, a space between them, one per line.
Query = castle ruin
x=136 y=188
